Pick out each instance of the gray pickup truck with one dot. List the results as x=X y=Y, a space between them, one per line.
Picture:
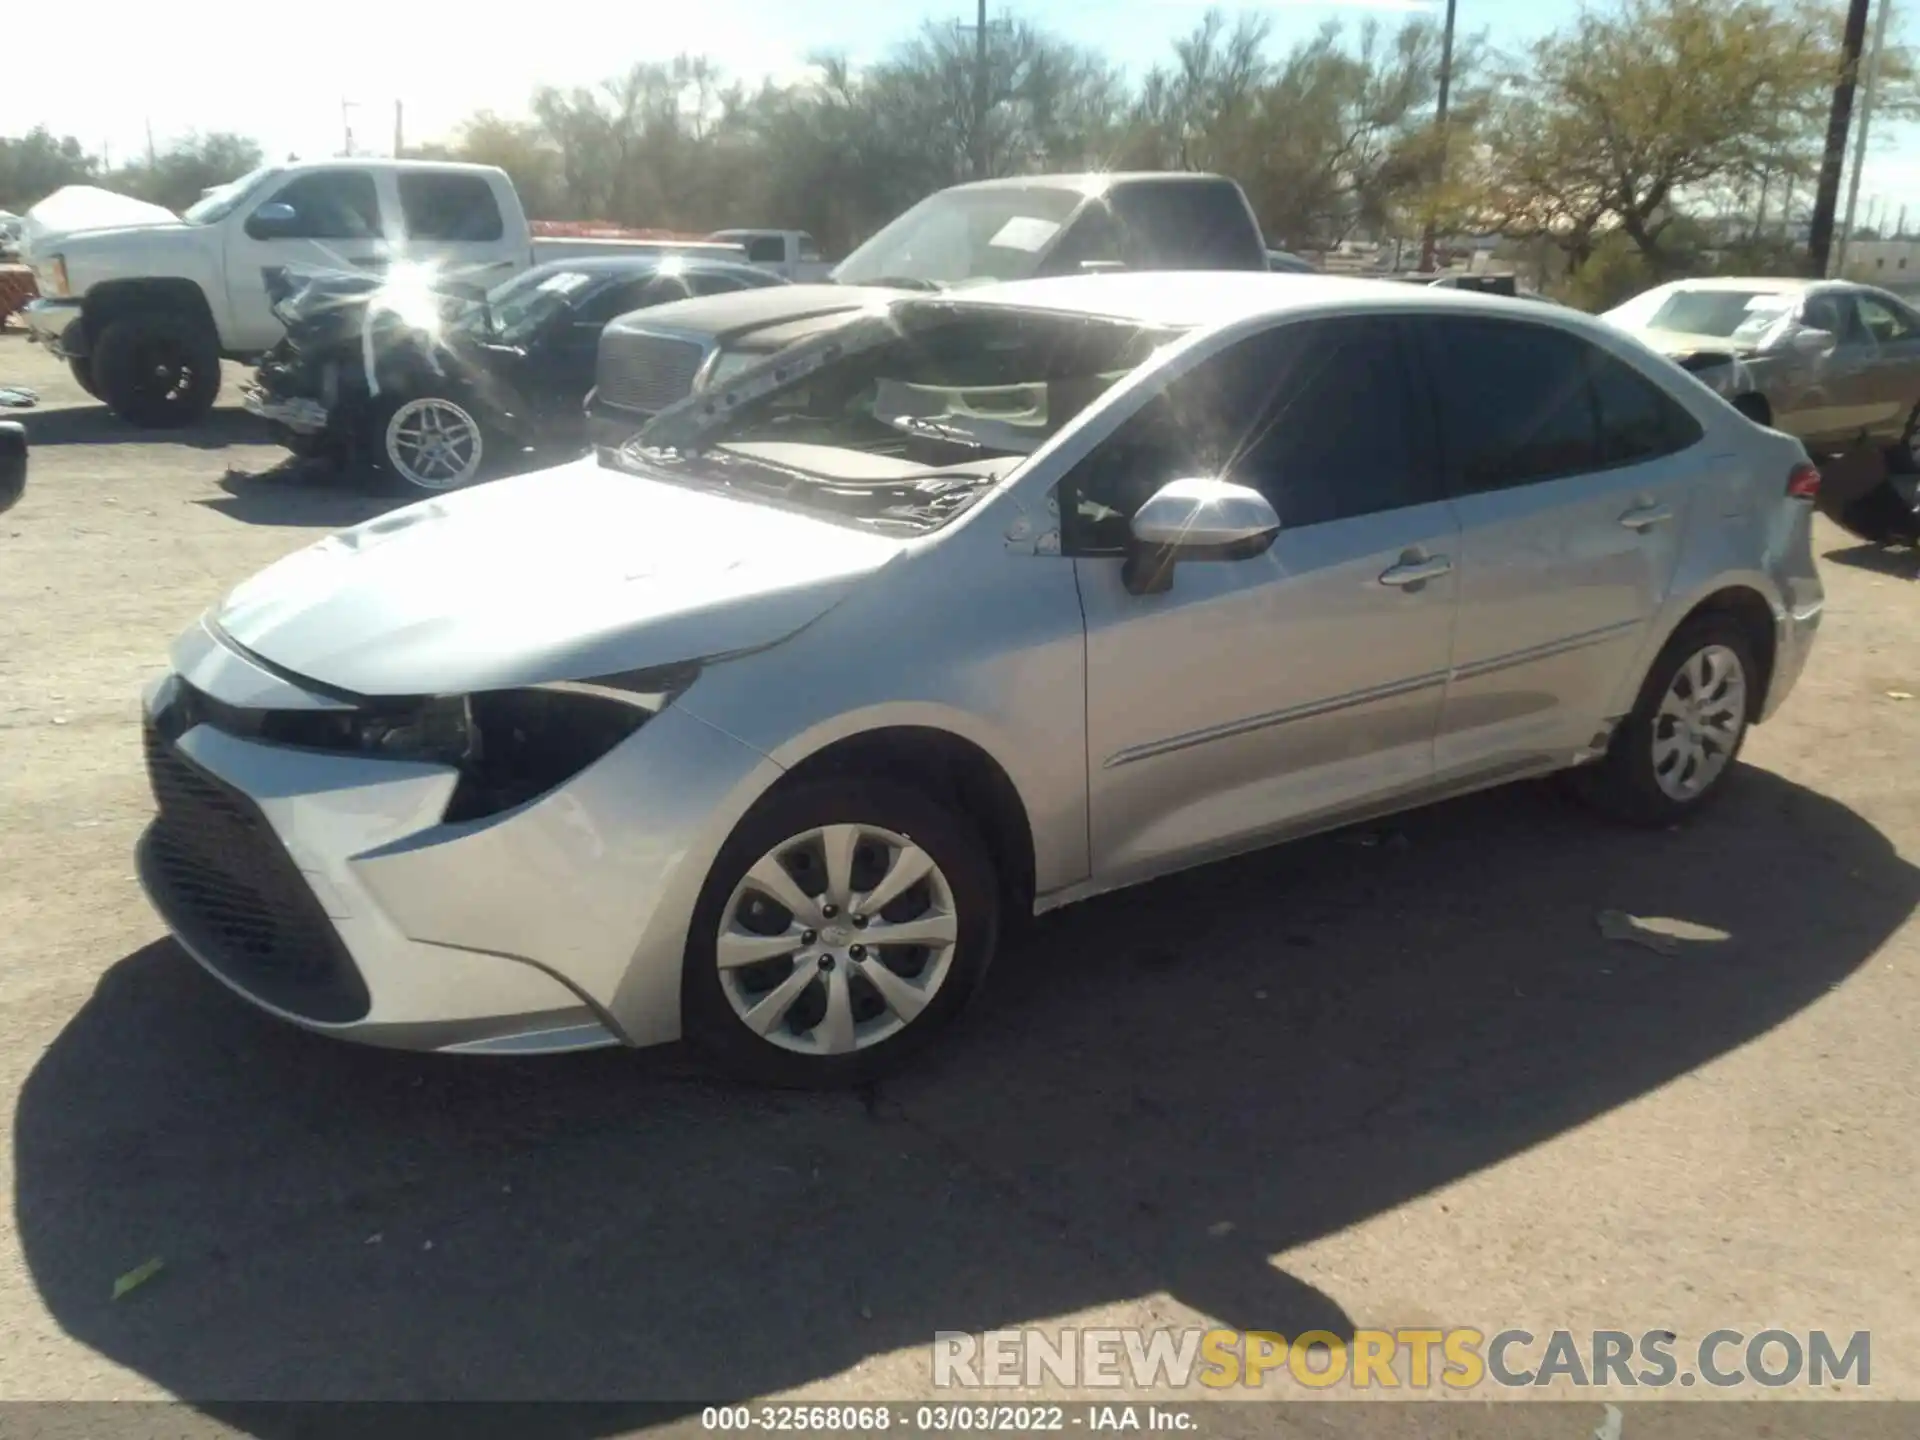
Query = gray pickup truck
x=1014 y=229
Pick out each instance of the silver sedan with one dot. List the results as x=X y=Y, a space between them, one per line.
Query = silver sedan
x=980 y=606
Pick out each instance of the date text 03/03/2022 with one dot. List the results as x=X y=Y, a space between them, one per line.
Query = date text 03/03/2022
x=942 y=1419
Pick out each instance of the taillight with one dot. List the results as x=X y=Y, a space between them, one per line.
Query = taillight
x=1803 y=483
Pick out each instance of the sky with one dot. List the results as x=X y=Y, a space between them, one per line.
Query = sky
x=284 y=81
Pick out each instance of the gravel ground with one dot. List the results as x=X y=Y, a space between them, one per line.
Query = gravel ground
x=1382 y=1084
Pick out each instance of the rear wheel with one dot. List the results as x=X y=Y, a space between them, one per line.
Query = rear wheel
x=157 y=370
x=1673 y=753
x=842 y=927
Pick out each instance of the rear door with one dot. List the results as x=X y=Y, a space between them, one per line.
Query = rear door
x=1896 y=370
x=1263 y=694
x=1571 y=473
x=452 y=219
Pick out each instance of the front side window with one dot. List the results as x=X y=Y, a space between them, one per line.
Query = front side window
x=1885 y=323
x=766 y=250
x=328 y=205
x=1320 y=417
x=1514 y=402
x=449 y=206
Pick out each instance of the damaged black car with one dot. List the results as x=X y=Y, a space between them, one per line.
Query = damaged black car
x=434 y=384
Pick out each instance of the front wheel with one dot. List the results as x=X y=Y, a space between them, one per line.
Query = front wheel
x=1672 y=754
x=430 y=443
x=158 y=370
x=844 y=924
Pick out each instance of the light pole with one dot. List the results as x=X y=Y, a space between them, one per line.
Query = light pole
x=1440 y=124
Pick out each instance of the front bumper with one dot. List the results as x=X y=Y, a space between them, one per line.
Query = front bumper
x=55 y=323
x=325 y=888
x=302 y=416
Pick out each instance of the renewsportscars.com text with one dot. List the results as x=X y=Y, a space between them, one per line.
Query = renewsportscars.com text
x=1415 y=1359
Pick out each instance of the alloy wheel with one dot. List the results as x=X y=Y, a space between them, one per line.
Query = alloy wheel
x=434 y=444
x=1699 y=723
x=836 y=939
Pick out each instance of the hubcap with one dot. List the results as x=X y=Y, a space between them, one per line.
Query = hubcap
x=434 y=444
x=790 y=963
x=1699 y=722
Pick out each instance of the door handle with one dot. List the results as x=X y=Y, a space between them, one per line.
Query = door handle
x=1416 y=572
x=1643 y=518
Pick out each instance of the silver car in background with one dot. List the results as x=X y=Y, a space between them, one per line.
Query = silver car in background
x=976 y=607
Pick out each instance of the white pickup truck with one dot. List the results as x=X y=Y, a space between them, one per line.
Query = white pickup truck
x=144 y=305
x=790 y=254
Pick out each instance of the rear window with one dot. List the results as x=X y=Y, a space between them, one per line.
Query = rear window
x=1188 y=225
x=449 y=206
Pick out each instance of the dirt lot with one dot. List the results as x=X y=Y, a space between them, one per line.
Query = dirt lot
x=1381 y=1084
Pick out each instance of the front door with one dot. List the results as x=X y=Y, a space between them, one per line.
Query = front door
x=1569 y=478
x=1261 y=695
x=336 y=225
x=1896 y=371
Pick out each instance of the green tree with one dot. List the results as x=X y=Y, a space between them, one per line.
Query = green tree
x=38 y=163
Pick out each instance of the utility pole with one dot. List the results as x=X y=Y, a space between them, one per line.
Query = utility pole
x=1860 y=140
x=346 y=124
x=150 y=159
x=1440 y=124
x=399 y=131
x=1826 y=198
x=980 y=92
x=1900 y=229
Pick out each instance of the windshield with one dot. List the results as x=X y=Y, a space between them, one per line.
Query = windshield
x=520 y=306
x=918 y=413
x=959 y=235
x=1726 y=314
x=220 y=202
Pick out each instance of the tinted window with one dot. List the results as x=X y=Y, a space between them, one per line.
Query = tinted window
x=329 y=205
x=448 y=206
x=1514 y=401
x=1319 y=417
x=1188 y=225
x=766 y=249
x=1638 y=420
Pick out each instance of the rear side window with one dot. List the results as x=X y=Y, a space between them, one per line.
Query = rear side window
x=449 y=206
x=1515 y=405
x=1186 y=225
x=1638 y=420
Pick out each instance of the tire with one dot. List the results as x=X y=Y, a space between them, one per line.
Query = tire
x=473 y=449
x=931 y=984
x=82 y=369
x=1628 y=784
x=1904 y=458
x=157 y=370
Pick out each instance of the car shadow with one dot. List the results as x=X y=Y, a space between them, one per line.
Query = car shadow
x=1160 y=1093
x=297 y=492
x=94 y=424
x=1900 y=562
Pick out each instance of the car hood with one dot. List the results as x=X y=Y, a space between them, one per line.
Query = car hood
x=1677 y=343
x=742 y=311
x=87 y=209
x=564 y=574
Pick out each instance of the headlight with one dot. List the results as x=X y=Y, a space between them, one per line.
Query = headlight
x=439 y=730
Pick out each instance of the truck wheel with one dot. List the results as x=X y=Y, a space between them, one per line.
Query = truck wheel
x=157 y=370
x=82 y=369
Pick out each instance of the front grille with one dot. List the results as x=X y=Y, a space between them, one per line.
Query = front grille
x=643 y=372
x=226 y=884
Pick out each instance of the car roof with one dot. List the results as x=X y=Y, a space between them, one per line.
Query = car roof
x=1094 y=182
x=1199 y=299
x=1761 y=284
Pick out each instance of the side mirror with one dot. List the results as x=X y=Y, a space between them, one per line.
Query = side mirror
x=273 y=221
x=1195 y=519
x=13 y=463
x=1812 y=342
